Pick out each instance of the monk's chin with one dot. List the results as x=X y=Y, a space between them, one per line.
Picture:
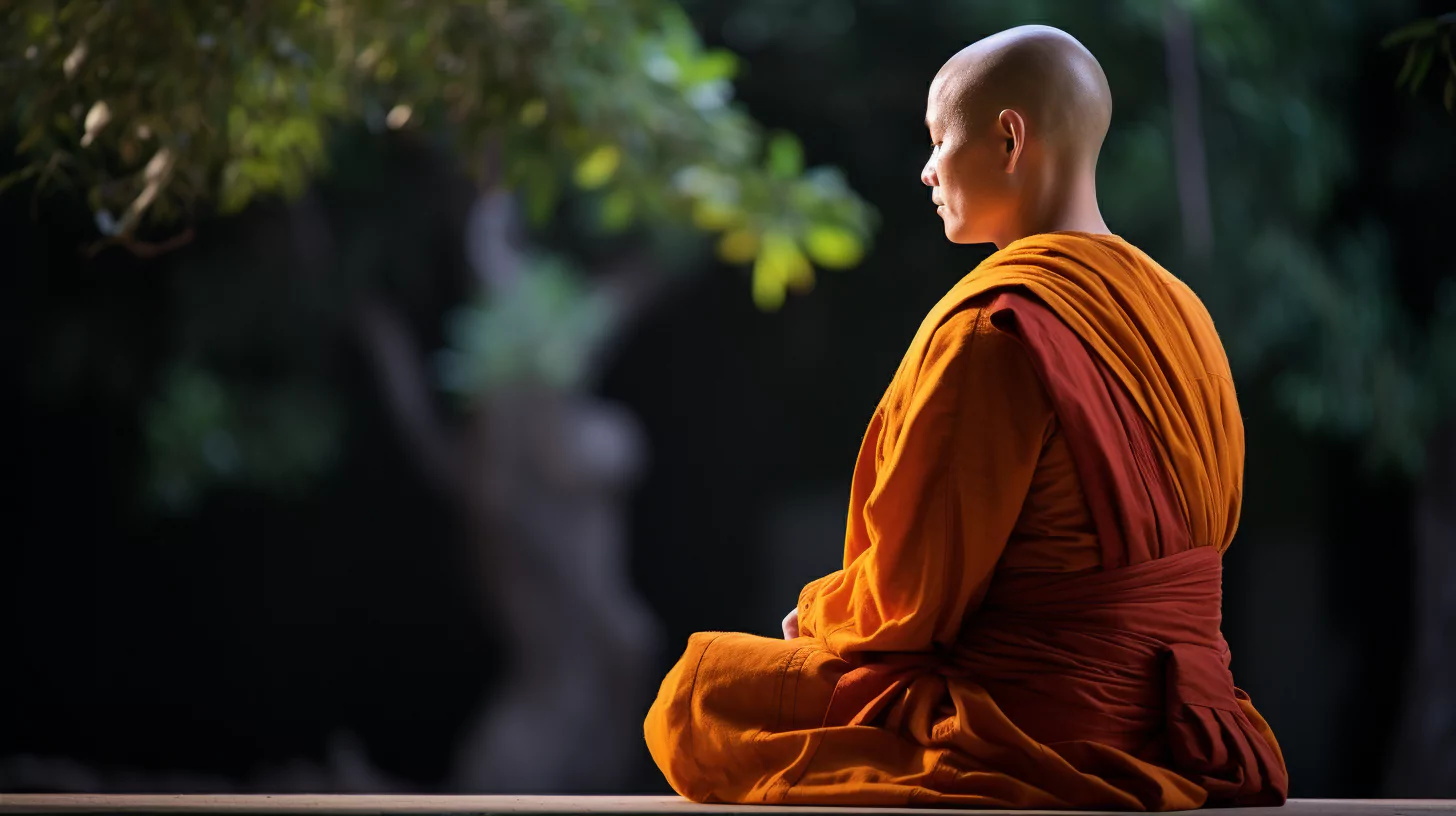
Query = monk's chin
x=957 y=234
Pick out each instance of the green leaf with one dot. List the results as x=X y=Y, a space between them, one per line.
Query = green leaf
x=1423 y=64
x=533 y=113
x=710 y=67
x=768 y=288
x=1418 y=30
x=738 y=246
x=37 y=25
x=1406 y=67
x=236 y=189
x=678 y=33
x=785 y=156
x=540 y=194
x=598 y=167
x=31 y=138
x=18 y=176
x=537 y=181
x=780 y=267
x=710 y=214
x=617 y=210
x=833 y=247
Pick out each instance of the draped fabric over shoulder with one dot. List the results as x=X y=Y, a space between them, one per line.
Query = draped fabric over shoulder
x=1028 y=611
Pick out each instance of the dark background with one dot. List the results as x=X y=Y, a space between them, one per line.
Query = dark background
x=250 y=629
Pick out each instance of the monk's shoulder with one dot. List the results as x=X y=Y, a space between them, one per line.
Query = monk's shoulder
x=969 y=333
x=953 y=332
x=965 y=356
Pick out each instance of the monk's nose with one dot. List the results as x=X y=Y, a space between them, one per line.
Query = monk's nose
x=927 y=175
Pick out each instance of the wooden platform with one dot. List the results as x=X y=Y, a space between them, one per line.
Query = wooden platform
x=540 y=805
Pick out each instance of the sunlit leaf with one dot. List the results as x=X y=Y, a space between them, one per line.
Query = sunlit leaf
x=598 y=167
x=738 y=246
x=780 y=266
x=833 y=247
x=710 y=215
x=398 y=116
x=712 y=66
x=73 y=61
x=98 y=117
x=769 y=289
x=785 y=156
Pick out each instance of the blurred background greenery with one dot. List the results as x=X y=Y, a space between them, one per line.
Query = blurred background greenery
x=291 y=282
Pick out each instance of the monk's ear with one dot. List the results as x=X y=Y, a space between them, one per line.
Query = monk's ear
x=1013 y=128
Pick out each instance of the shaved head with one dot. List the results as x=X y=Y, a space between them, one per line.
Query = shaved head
x=1043 y=73
x=1032 y=105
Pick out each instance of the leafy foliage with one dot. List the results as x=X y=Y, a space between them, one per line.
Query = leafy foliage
x=203 y=430
x=1313 y=297
x=164 y=109
x=535 y=331
x=1423 y=39
x=167 y=109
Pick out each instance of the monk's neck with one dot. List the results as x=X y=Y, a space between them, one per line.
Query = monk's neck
x=1067 y=207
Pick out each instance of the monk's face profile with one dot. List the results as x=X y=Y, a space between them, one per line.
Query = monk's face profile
x=971 y=170
x=1016 y=122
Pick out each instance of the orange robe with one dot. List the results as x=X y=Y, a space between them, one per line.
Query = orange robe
x=1028 y=612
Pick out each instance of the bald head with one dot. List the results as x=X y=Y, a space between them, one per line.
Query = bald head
x=1017 y=120
x=1044 y=74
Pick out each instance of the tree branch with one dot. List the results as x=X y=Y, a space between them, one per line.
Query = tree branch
x=489 y=241
x=141 y=249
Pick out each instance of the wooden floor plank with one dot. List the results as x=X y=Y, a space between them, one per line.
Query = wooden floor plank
x=317 y=805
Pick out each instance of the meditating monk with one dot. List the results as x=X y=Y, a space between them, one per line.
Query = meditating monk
x=1028 y=613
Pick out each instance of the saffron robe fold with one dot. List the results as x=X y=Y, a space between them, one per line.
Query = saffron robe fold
x=1009 y=631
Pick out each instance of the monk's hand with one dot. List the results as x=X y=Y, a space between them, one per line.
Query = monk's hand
x=791 y=624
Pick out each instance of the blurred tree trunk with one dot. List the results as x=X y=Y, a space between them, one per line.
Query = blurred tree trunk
x=1423 y=759
x=1184 y=101
x=539 y=477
